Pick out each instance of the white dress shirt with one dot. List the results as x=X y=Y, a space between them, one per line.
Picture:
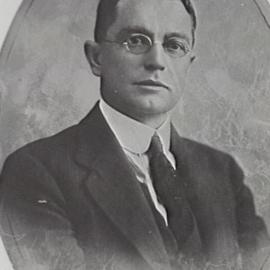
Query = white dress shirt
x=135 y=138
x=5 y=263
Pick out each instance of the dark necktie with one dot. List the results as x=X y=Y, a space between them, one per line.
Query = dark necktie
x=169 y=192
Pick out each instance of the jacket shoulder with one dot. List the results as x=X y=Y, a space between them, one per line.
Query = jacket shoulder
x=45 y=151
x=63 y=144
x=205 y=153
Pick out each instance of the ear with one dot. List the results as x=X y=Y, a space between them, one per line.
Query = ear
x=93 y=55
x=192 y=59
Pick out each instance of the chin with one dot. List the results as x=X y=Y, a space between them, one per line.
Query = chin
x=157 y=106
x=153 y=110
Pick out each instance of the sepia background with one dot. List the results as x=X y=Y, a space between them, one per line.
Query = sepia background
x=46 y=84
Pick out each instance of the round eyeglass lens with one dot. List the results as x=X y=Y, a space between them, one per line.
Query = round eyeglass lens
x=176 y=48
x=138 y=43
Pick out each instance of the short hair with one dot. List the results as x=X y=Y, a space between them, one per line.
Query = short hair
x=106 y=15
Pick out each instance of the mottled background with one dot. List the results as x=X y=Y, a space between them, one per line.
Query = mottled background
x=46 y=85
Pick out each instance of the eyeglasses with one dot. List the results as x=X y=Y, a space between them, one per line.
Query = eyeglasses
x=138 y=43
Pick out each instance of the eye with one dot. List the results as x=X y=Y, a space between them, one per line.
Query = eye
x=138 y=40
x=176 y=47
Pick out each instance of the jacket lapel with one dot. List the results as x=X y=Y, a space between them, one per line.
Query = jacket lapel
x=113 y=184
x=208 y=197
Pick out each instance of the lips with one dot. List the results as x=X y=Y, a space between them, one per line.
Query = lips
x=152 y=83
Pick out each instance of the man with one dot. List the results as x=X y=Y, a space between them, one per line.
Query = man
x=122 y=190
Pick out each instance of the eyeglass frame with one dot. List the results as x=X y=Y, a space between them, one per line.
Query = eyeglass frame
x=125 y=45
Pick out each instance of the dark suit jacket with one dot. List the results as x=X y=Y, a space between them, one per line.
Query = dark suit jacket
x=72 y=201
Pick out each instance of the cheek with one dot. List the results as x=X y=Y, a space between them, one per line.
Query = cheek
x=118 y=58
x=178 y=73
x=120 y=70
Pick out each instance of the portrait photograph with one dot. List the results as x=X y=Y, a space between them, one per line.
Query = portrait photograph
x=135 y=135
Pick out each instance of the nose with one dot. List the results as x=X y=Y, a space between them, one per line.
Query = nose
x=155 y=58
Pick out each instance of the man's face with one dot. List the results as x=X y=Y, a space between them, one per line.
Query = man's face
x=148 y=84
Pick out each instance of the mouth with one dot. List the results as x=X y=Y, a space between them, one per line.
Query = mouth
x=152 y=84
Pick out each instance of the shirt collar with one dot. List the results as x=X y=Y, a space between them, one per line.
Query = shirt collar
x=133 y=135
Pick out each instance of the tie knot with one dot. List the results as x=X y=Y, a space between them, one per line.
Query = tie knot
x=155 y=147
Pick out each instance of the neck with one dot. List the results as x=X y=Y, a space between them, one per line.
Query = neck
x=153 y=121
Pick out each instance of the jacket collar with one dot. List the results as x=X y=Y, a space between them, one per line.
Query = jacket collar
x=112 y=183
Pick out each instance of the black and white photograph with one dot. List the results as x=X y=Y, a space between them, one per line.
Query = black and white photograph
x=135 y=135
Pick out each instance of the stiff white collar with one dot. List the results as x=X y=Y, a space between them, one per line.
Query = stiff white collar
x=133 y=135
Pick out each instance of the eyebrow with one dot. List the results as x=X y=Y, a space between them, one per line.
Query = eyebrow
x=139 y=29
x=178 y=35
x=133 y=29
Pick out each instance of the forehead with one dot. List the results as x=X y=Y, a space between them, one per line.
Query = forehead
x=159 y=17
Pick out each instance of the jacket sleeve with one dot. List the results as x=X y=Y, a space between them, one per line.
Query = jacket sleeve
x=252 y=233
x=34 y=225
